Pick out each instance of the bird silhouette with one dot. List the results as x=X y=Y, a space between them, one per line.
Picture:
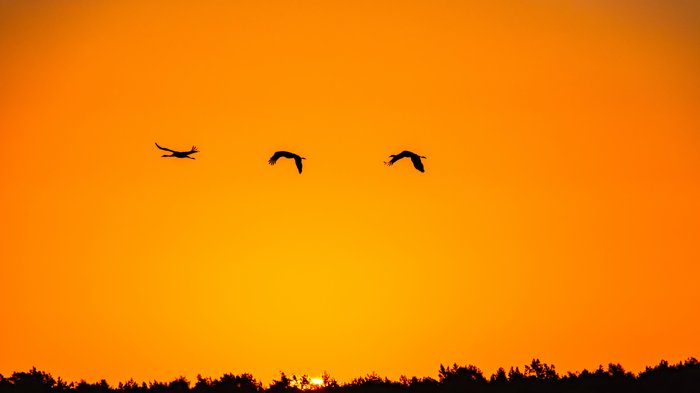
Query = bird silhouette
x=415 y=159
x=178 y=154
x=286 y=154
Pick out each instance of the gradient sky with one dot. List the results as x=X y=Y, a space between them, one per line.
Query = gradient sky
x=559 y=215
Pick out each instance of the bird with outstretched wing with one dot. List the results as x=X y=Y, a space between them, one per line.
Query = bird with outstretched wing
x=178 y=154
x=286 y=154
x=415 y=159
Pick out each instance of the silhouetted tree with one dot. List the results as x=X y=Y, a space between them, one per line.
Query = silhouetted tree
x=302 y=382
x=539 y=377
x=461 y=378
x=419 y=385
x=541 y=371
x=283 y=385
x=682 y=377
x=203 y=384
x=98 y=387
x=373 y=383
x=371 y=380
x=179 y=385
x=4 y=383
x=33 y=381
x=131 y=386
x=244 y=383
x=328 y=381
x=514 y=375
x=157 y=387
x=499 y=377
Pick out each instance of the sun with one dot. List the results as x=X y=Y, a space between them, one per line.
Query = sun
x=304 y=382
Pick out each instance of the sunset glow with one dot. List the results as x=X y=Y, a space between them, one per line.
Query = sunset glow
x=317 y=381
x=558 y=216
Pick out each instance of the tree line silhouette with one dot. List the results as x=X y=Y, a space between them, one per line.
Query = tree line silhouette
x=535 y=377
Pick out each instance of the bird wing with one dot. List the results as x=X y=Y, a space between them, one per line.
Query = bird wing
x=297 y=160
x=399 y=156
x=163 y=148
x=417 y=163
x=274 y=158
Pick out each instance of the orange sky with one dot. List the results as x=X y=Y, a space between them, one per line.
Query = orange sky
x=559 y=215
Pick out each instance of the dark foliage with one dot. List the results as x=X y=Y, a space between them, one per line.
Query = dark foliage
x=537 y=376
